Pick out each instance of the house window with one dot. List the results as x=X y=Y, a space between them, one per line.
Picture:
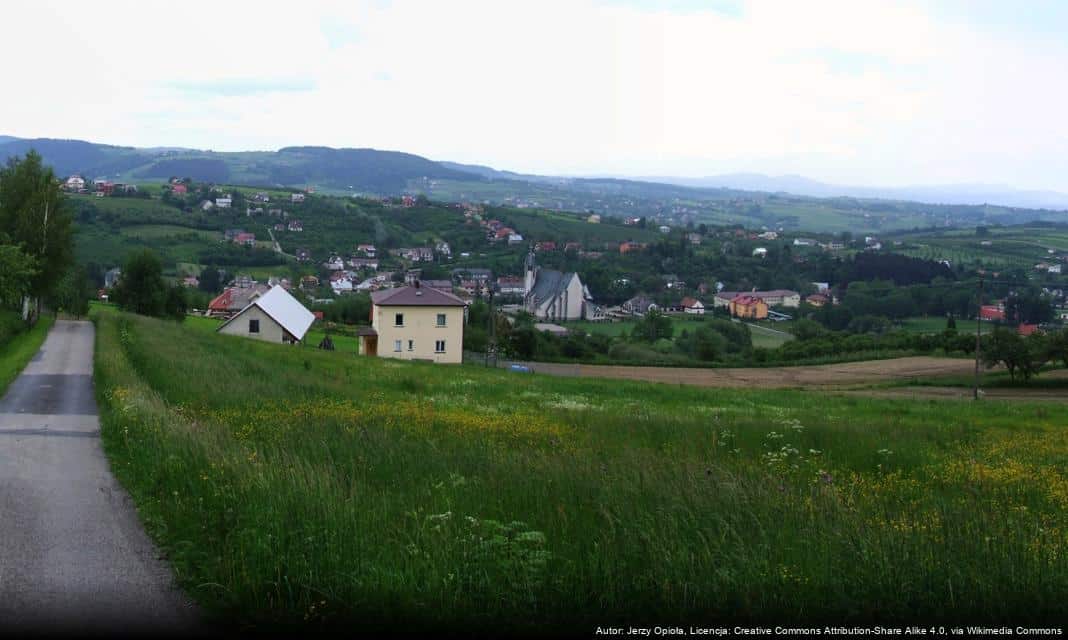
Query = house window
x=253 y=326
x=398 y=320
x=441 y=319
x=397 y=345
x=411 y=345
x=439 y=346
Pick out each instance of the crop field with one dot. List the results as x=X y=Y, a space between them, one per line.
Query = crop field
x=293 y=488
x=1000 y=247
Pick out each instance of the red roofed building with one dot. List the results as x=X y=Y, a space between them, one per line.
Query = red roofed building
x=179 y=189
x=1027 y=329
x=991 y=313
x=747 y=306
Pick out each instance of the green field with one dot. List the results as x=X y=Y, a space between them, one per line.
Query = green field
x=293 y=488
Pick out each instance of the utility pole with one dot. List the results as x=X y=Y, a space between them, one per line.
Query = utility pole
x=978 y=340
x=491 y=346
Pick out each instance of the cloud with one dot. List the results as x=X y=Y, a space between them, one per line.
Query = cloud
x=841 y=90
x=242 y=86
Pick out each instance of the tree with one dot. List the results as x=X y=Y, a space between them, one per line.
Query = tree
x=1015 y=352
x=34 y=214
x=16 y=271
x=73 y=292
x=210 y=280
x=654 y=326
x=142 y=290
x=1057 y=346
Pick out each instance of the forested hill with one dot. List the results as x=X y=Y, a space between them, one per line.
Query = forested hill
x=365 y=170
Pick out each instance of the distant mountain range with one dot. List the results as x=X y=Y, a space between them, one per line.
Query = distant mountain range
x=390 y=172
x=935 y=194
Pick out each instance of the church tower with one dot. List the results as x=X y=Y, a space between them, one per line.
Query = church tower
x=530 y=272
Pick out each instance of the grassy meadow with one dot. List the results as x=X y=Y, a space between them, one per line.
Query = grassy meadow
x=294 y=488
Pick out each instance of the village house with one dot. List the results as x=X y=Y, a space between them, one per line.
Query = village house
x=443 y=248
x=364 y=263
x=334 y=263
x=275 y=316
x=303 y=255
x=692 y=306
x=639 y=306
x=74 y=183
x=367 y=250
x=233 y=299
x=415 y=323
x=510 y=286
x=775 y=297
x=553 y=295
x=111 y=277
x=749 y=306
x=246 y=239
x=179 y=189
x=628 y=247
x=223 y=202
x=295 y=225
x=415 y=254
x=309 y=283
x=818 y=299
x=341 y=282
x=296 y=198
x=472 y=273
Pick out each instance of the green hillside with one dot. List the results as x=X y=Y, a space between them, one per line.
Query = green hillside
x=291 y=487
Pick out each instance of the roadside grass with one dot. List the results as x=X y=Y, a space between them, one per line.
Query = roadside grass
x=293 y=488
x=17 y=351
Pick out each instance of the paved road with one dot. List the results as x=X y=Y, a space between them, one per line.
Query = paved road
x=73 y=556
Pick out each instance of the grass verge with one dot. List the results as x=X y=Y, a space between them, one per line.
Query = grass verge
x=17 y=352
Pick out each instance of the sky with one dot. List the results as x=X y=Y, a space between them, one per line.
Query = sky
x=850 y=92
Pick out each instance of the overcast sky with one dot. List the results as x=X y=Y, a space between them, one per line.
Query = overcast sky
x=852 y=92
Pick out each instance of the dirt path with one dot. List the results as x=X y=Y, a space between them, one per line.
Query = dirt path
x=829 y=375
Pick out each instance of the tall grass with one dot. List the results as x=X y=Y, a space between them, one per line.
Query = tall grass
x=17 y=347
x=291 y=487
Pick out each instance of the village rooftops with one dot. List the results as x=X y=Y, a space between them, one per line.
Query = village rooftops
x=418 y=296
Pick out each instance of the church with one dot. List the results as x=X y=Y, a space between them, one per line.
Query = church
x=554 y=295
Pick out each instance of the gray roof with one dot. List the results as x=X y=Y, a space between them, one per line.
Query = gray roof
x=415 y=296
x=548 y=284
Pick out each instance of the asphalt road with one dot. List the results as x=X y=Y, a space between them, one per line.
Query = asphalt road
x=73 y=556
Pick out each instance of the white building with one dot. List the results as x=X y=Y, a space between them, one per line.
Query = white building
x=224 y=202
x=275 y=316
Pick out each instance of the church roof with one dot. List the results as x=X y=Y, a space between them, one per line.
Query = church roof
x=548 y=284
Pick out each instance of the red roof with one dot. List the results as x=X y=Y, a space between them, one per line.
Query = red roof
x=746 y=299
x=221 y=301
x=689 y=303
x=991 y=312
x=1027 y=329
x=178 y=188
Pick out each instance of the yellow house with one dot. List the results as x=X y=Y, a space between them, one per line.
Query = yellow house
x=751 y=307
x=415 y=323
